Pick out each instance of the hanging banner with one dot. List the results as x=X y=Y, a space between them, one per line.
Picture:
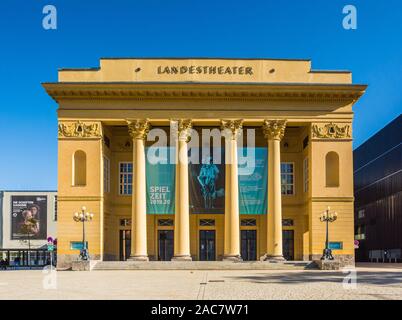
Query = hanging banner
x=253 y=185
x=160 y=178
x=207 y=183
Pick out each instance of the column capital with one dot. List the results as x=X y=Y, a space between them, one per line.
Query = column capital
x=232 y=126
x=274 y=129
x=182 y=128
x=139 y=128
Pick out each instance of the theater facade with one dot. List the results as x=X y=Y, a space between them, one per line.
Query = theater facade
x=205 y=159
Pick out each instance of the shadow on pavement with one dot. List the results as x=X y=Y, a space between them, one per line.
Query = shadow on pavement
x=363 y=277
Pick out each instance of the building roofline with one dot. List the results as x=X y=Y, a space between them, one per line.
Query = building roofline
x=179 y=58
x=203 y=58
x=199 y=58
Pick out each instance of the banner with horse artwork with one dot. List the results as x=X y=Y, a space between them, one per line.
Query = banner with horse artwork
x=207 y=183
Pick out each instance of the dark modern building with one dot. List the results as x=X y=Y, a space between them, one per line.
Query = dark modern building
x=378 y=195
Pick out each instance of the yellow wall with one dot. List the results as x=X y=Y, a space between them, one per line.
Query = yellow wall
x=72 y=198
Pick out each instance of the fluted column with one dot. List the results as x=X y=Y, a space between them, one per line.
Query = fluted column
x=274 y=131
x=138 y=130
x=231 y=130
x=182 y=212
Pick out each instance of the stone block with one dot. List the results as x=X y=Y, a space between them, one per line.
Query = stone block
x=79 y=265
x=328 y=264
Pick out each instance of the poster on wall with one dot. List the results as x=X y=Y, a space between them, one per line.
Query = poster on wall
x=207 y=184
x=160 y=179
x=253 y=186
x=28 y=217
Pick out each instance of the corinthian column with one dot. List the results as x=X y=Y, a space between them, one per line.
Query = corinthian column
x=138 y=130
x=182 y=212
x=274 y=131
x=231 y=130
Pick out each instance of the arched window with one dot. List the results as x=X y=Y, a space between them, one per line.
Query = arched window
x=332 y=169
x=80 y=168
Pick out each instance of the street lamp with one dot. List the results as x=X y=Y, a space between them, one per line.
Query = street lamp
x=83 y=217
x=327 y=217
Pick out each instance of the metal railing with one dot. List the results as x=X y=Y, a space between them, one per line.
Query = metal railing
x=25 y=258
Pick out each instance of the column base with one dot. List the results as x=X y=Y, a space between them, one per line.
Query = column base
x=182 y=258
x=139 y=258
x=232 y=258
x=272 y=258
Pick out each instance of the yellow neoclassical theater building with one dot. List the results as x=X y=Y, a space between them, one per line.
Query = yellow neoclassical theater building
x=137 y=143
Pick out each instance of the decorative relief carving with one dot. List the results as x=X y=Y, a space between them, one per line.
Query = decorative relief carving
x=234 y=127
x=274 y=129
x=331 y=131
x=79 y=129
x=138 y=129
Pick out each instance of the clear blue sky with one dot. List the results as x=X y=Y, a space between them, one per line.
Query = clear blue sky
x=88 y=30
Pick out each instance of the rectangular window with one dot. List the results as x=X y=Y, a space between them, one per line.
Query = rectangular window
x=361 y=214
x=305 y=175
x=55 y=209
x=360 y=232
x=287 y=178
x=125 y=178
x=106 y=174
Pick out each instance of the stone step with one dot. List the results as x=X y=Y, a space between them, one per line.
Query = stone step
x=203 y=265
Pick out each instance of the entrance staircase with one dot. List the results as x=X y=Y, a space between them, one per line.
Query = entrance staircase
x=204 y=265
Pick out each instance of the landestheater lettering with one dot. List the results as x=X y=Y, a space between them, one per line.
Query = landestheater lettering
x=210 y=70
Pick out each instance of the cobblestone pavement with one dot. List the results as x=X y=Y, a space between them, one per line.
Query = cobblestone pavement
x=372 y=283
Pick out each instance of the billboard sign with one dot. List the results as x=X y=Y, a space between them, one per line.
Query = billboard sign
x=28 y=217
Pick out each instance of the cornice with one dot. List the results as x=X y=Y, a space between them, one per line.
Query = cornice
x=79 y=198
x=332 y=199
x=348 y=93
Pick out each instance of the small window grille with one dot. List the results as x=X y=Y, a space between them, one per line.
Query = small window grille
x=207 y=222
x=165 y=222
x=248 y=222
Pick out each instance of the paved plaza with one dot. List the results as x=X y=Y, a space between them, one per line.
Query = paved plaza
x=373 y=282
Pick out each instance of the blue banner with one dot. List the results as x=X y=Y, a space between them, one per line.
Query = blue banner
x=253 y=180
x=160 y=177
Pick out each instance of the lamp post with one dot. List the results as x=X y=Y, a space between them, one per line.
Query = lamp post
x=83 y=217
x=327 y=217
